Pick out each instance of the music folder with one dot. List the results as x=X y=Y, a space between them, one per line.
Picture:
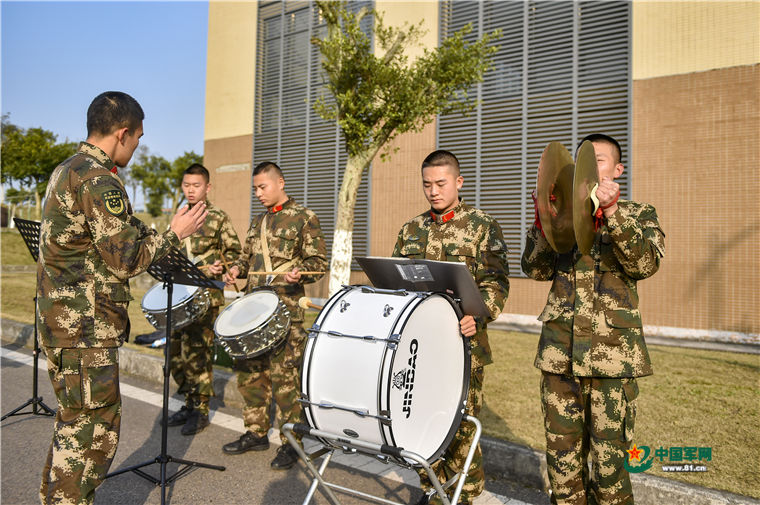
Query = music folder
x=447 y=277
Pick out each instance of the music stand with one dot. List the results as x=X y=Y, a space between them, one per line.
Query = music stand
x=448 y=277
x=30 y=232
x=174 y=267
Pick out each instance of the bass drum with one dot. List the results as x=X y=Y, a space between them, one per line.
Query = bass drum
x=389 y=368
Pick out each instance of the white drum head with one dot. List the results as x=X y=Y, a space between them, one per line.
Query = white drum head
x=246 y=314
x=155 y=298
x=428 y=378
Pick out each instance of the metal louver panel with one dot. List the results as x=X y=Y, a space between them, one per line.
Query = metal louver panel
x=310 y=151
x=562 y=71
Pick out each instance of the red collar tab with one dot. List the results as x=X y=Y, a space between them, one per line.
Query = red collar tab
x=276 y=208
x=115 y=170
x=440 y=219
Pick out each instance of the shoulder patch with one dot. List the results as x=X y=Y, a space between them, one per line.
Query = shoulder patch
x=114 y=202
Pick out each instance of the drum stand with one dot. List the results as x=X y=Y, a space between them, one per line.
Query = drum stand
x=174 y=264
x=382 y=452
x=30 y=232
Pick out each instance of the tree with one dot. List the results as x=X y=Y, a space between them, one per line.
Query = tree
x=160 y=178
x=377 y=98
x=152 y=171
x=30 y=156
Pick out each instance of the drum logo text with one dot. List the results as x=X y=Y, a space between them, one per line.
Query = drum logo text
x=405 y=378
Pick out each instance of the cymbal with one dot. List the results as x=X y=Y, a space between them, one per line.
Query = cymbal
x=555 y=178
x=585 y=182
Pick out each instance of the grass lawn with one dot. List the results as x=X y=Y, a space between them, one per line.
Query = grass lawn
x=695 y=398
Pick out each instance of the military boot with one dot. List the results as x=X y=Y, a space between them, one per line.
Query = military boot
x=180 y=417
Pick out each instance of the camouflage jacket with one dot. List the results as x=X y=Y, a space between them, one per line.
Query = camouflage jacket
x=90 y=245
x=293 y=234
x=205 y=246
x=466 y=235
x=591 y=322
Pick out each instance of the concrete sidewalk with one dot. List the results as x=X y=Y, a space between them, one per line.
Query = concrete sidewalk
x=504 y=460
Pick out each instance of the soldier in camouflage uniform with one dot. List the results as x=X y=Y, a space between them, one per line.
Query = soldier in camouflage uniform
x=90 y=245
x=453 y=231
x=295 y=243
x=591 y=347
x=192 y=348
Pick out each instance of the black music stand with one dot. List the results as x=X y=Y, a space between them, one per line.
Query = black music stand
x=30 y=232
x=174 y=267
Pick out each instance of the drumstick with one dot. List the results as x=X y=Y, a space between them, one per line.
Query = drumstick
x=305 y=303
x=202 y=267
x=226 y=266
x=304 y=272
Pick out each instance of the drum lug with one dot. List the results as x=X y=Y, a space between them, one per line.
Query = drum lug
x=385 y=418
x=313 y=331
x=393 y=340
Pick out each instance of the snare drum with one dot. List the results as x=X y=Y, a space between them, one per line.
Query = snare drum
x=189 y=303
x=389 y=368
x=253 y=324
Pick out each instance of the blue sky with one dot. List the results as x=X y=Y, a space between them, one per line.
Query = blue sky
x=57 y=56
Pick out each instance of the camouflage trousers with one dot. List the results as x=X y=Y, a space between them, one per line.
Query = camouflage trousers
x=453 y=458
x=588 y=417
x=191 y=360
x=275 y=375
x=87 y=422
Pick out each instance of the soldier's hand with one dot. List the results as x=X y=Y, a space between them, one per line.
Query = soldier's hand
x=216 y=268
x=231 y=275
x=293 y=276
x=467 y=326
x=186 y=222
x=607 y=193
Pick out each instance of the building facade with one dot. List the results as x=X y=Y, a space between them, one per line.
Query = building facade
x=676 y=82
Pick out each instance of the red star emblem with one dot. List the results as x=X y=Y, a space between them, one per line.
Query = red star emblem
x=634 y=453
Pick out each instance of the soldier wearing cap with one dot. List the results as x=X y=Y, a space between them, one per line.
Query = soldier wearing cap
x=192 y=348
x=285 y=238
x=591 y=347
x=90 y=245
x=453 y=231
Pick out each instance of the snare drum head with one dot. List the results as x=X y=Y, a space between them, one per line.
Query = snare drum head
x=246 y=313
x=155 y=298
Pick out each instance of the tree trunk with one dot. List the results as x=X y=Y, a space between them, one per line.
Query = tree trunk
x=342 y=246
x=38 y=205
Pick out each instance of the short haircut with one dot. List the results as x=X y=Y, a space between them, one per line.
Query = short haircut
x=441 y=158
x=111 y=111
x=601 y=137
x=268 y=166
x=197 y=169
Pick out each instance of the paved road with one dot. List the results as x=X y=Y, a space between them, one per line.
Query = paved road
x=247 y=479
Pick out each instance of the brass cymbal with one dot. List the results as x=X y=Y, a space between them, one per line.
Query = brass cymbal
x=585 y=182
x=555 y=177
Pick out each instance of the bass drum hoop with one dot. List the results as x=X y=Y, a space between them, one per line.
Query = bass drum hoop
x=465 y=384
x=280 y=311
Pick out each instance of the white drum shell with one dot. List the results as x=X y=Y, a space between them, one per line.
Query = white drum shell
x=420 y=383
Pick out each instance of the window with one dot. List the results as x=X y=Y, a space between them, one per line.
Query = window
x=310 y=151
x=562 y=71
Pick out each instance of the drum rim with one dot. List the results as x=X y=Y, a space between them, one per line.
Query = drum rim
x=459 y=414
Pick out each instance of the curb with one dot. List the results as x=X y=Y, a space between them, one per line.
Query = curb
x=503 y=460
x=748 y=343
